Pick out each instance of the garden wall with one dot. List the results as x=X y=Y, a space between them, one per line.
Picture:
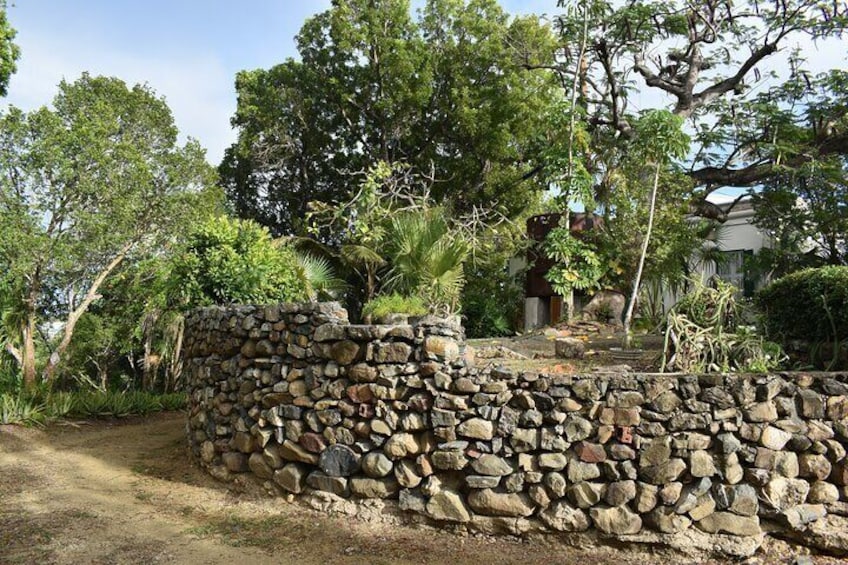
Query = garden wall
x=311 y=404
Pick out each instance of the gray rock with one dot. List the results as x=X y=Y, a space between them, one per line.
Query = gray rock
x=491 y=503
x=339 y=461
x=373 y=488
x=335 y=485
x=728 y=523
x=376 y=465
x=292 y=477
x=491 y=465
x=447 y=506
x=569 y=348
x=664 y=473
x=617 y=521
x=476 y=428
x=563 y=517
x=667 y=521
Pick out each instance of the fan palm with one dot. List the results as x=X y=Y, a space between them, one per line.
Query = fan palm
x=426 y=259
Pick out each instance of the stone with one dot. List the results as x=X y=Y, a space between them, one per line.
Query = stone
x=373 y=488
x=761 y=412
x=491 y=465
x=569 y=348
x=524 y=440
x=667 y=521
x=701 y=464
x=552 y=461
x=312 y=442
x=292 y=477
x=823 y=493
x=577 y=429
x=590 y=452
x=259 y=467
x=800 y=516
x=441 y=347
x=439 y=418
x=395 y=352
x=647 y=497
x=774 y=438
x=447 y=506
x=705 y=506
x=339 y=461
x=235 y=462
x=563 y=517
x=782 y=493
x=345 y=352
x=617 y=521
x=476 y=428
x=556 y=484
x=728 y=523
x=336 y=485
x=655 y=452
x=291 y=451
x=579 y=471
x=620 y=492
x=449 y=460
x=400 y=445
x=586 y=495
x=813 y=466
x=406 y=474
x=482 y=481
x=491 y=503
x=664 y=473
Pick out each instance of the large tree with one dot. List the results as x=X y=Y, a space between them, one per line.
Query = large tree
x=9 y=51
x=448 y=93
x=86 y=186
x=708 y=62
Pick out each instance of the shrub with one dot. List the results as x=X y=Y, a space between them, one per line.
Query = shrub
x=395 y=303
x=21 y=410
x=809 y=305
x=704 y=334
x=236 y=261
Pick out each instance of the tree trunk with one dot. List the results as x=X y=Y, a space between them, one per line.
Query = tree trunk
x=28 y=359
x=90 y=296
x=628 y=318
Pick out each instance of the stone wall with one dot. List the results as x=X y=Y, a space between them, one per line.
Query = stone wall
x=301 y=399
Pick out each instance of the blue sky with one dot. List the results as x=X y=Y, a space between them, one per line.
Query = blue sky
x=187 y=50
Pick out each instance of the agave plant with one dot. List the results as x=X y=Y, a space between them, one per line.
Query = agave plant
x=426 y=259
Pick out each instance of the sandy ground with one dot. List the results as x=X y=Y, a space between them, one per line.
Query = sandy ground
x=126 y=492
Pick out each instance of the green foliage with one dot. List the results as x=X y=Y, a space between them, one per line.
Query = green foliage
x=97 y=181
x=454 y=91
x=579 y=266
x=704 y=333
x=809 y=305
x=236 y=261
x=9 y=51
x=426 y=259
x=38 y=409
x=805 y=213
x=492 y=301
x=21 y=410
x=394 y=303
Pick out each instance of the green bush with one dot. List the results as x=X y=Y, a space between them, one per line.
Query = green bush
x=21 y=410
x=236 y=261
x=809 y=305
x=395 y=303
x=704 y=334
x=492 y=303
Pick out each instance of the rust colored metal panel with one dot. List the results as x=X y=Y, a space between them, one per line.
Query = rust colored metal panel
x=556 y=309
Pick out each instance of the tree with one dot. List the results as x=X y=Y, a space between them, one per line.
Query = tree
x=705 y=59
x=660 y=141
x=85 y=187
x=449 y=93
x=805 y=211
x=9 y=51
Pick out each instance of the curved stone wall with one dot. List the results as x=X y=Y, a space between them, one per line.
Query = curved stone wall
x=300 y=398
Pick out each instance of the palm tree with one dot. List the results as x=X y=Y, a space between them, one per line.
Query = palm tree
x=426 y=259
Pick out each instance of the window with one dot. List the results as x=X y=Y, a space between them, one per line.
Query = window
x=732 y=269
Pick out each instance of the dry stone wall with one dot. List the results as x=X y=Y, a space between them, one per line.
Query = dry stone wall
x=300 y=398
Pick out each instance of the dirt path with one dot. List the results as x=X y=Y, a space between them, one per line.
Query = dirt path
x=126 y=493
